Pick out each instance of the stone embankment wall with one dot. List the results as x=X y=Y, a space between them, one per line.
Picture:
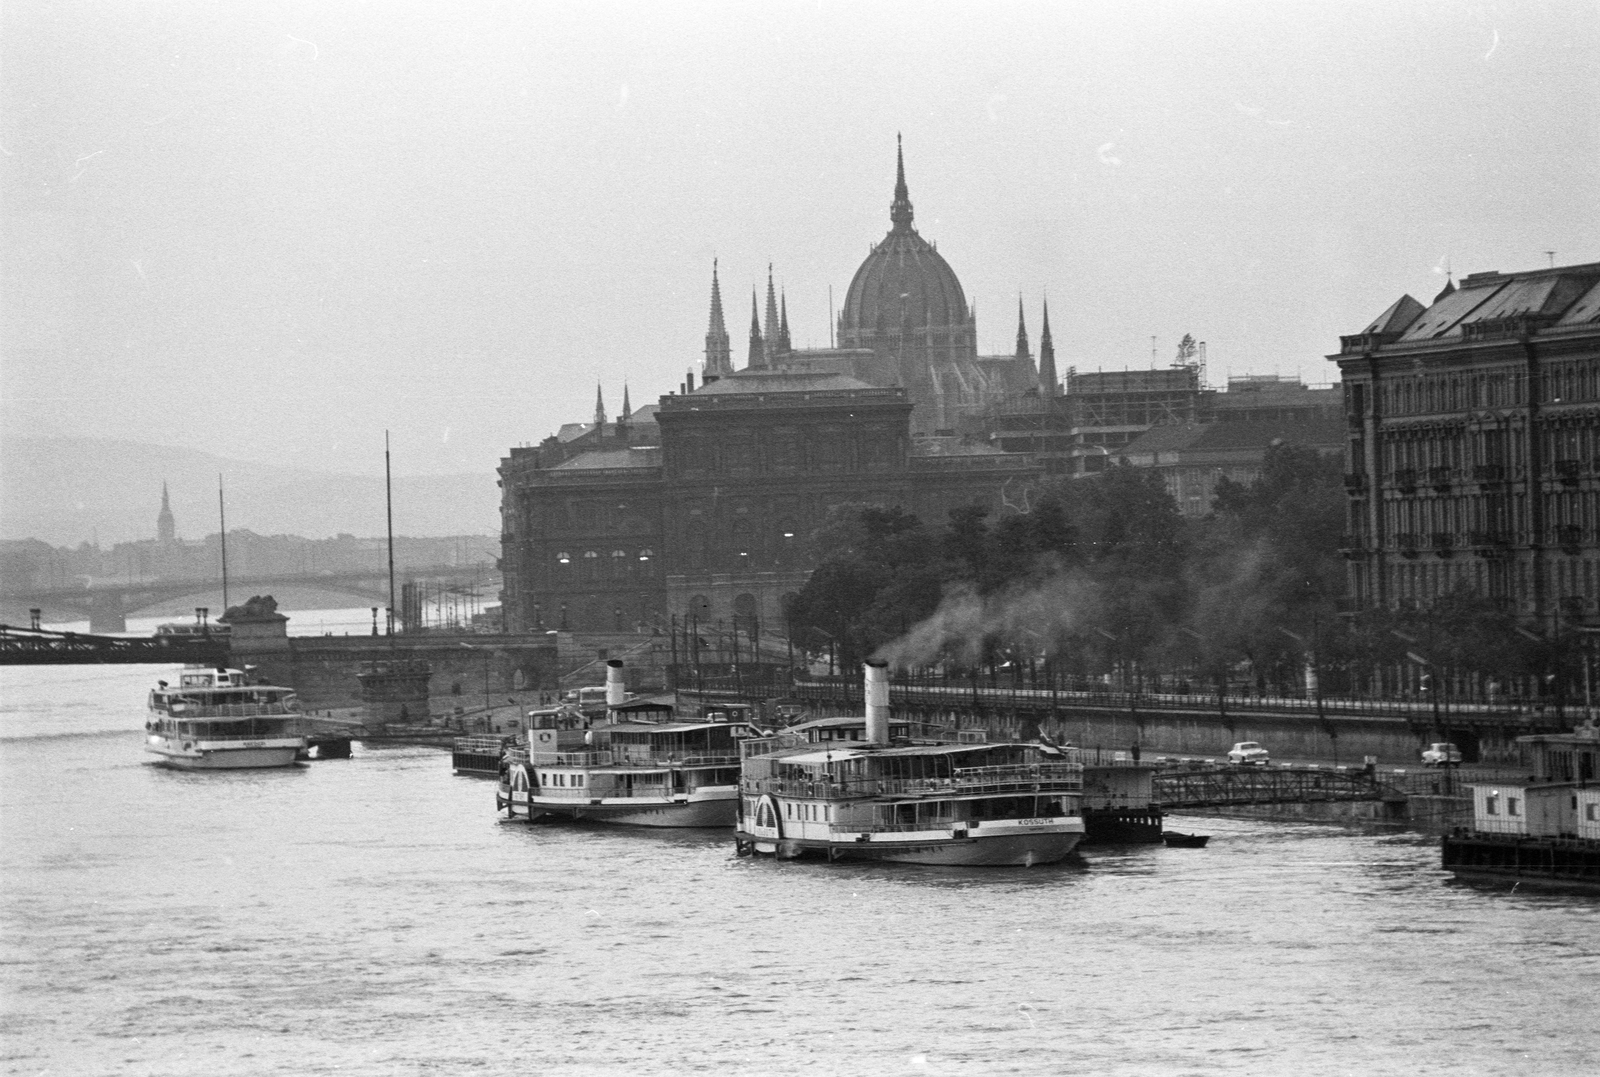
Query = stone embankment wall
x=467 y=668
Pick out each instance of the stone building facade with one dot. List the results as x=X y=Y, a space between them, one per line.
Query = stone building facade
x=1473 y=447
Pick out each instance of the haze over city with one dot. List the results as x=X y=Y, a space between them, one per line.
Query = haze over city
x=270 y=233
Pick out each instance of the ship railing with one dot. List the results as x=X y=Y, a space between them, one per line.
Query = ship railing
x=757 y=746
x=481 y=745
x=572 y=759
x=652 y=791
x=289 y=732
x=199 y=712
x=1034 y=778
x=674 y=759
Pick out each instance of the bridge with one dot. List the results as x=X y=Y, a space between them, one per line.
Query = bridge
x=108 y=601
x=38 y=647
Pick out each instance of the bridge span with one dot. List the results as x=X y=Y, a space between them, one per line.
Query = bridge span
x=108 y=601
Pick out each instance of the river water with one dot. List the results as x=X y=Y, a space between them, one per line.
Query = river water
x=371 y=916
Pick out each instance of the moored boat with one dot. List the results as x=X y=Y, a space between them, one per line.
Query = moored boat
x=641 y=768
x=852 y=790
x=214 y=719
x=1542 y=832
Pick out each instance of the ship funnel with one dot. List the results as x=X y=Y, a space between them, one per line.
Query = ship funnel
x=616 y=691
x=877 y=694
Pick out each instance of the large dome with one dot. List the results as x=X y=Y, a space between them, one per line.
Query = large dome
x=903 y=281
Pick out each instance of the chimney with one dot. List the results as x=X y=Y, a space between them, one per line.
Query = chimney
x=616 y=691
x=877 y=696
x=690 y=381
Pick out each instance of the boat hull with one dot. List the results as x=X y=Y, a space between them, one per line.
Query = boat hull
x=1003 y=850
x=202 y=758
x=718 y=812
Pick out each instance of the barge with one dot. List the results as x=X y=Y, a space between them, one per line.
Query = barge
x=1543 y=832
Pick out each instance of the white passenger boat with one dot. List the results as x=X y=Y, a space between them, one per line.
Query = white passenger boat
x=848 y=789
x=677 y=774
x=642 y=767
x=213 y=719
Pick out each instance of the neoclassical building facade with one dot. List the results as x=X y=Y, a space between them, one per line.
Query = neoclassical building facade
x=1473 y=435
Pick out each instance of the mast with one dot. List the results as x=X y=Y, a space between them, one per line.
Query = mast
x=388 y=511
x=222 y=519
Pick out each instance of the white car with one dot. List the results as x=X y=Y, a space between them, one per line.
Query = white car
x=1248 y=751
x=1441 y=754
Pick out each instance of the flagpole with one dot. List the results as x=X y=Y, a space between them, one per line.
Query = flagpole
x=388 y=507
x=222 y=518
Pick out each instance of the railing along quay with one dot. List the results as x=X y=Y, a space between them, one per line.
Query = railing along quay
x=1238 y=785
x=1065 y=693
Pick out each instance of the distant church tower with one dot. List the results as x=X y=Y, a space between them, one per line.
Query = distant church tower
x=166 y=527
x=719 y=350
x=1049 y=380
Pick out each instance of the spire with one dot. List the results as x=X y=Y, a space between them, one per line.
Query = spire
x=757 y=357
x=770 y=330
x=1049 y=383
x=783 y=325
x=599 y=407
x=1022 y=332
x=719 y=351
x=627 y=408
x=1449 y=288
x=900 y=211
x=166 y=527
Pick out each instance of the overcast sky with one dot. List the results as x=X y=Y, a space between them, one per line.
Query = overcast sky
x=272 y=230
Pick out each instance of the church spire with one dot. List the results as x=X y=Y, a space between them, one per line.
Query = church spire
x=770 y=330
x=719 y=351
x=1049 y=383
x=627 y=408
x=783 y=325
x=1022 y=332
x=599 y=407
x=166 y=527
x=900 y=211
x=757 y=357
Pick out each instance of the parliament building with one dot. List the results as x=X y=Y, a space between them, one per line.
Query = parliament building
x=703 y=505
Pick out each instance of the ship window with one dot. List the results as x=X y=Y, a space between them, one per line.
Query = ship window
x=1591 y=812
x=1491 y=805
x=577 y=779
x=1511 y=805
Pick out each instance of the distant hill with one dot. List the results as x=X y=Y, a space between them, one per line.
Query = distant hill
x=67 y=490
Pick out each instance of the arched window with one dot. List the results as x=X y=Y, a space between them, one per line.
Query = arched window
x=563 y=558
x=591 y=565
x=647 y=560
x=619 y=564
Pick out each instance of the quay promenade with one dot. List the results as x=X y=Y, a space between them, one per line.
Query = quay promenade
x=1339 y=729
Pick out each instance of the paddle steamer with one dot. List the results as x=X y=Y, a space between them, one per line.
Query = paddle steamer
x=867 y=789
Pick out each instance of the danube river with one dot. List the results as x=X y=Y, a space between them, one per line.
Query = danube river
x=371 y=916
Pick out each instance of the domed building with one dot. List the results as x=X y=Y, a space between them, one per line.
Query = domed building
x=698 y=509
x=905 y=323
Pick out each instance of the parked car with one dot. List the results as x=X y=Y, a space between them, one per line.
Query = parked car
x=1248 y=751
x=1441 y=754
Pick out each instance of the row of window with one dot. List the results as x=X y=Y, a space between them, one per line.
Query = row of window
x=1430 y=394
x=1498 y=513
x=1576 y=442
x=1423 y=581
